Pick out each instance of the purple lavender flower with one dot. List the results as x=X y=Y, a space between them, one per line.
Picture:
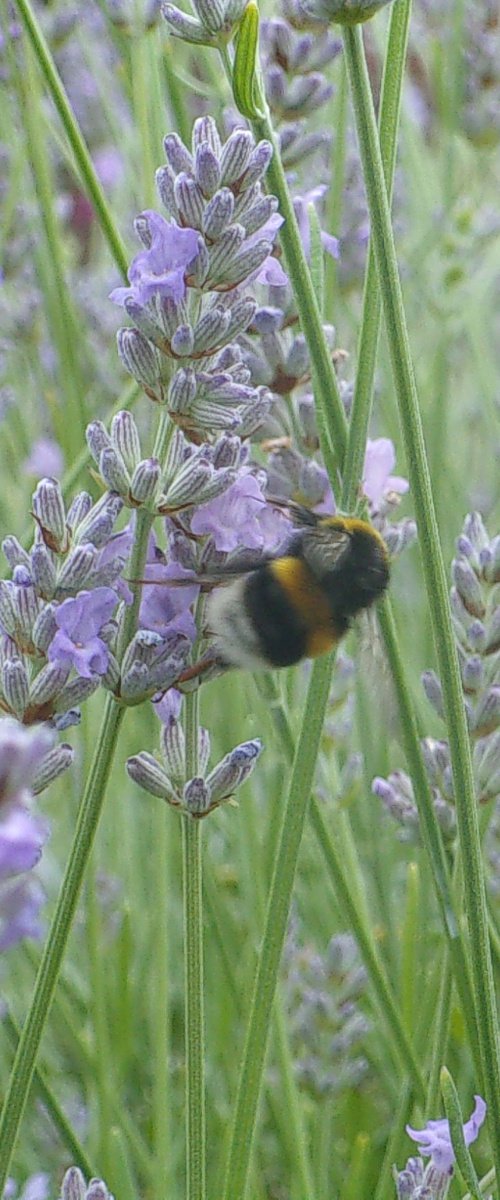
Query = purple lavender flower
x=165 y=609
x=300 y=204
x=77 y=642
x=435 y=1140
x=21 y=753
x=161 y=268
x=377 y=479
x=22 y=835
x=37 y=1187
x=241 y=517
x=46 y=458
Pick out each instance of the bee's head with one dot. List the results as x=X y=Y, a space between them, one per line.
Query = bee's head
x=351 y=562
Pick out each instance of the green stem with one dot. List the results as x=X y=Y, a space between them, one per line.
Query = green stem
x=274 y=931
x=194 y=1014
x=72 y=129
x=434 y=575
x=390 y=107
x=50 y=964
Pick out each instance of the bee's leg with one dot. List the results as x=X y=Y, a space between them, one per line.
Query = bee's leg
x=206 y=668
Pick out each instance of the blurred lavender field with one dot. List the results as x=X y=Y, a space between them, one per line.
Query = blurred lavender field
x=184 y=395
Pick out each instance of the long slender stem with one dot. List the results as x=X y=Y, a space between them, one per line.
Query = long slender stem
x=390 y=106
x=434 y=575
x=194 y=1009
x=278 y=909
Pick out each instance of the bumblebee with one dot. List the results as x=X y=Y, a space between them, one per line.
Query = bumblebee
x=280 y=609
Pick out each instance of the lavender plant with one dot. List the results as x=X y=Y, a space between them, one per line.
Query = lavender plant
x=244 y=401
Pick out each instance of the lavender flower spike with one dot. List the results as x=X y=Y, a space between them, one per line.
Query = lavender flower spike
x=22 y=835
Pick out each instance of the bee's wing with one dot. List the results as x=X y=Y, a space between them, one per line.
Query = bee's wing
x=216 y=578
x=324 y=549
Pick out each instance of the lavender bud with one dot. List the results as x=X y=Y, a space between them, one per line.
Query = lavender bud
x=472 y=673
x=486 y=759
x=182 y=390
x=125 y=437
x=114 y=472
x=15 y=687
x=493 y=632
x=7 y=607
x=491 y=569
x=173 y=750
x=97 y=526
x=145 y=481
x=48 y=510
x=150 y=776
x=73 y=1185
x=196 y=798
x=111 y=678
x=188 y=485
x=205 y=130
x=257 y=164
x=211 y=330
x=75 y=692
x=28 y=607
x=344 y=12
x=177 y=155
x=224 y=252
x=218 y=214
x=206 y=165
x=235 y=156
x=211 y=14
x=15 y=553
x=183 y=342
x=44 y=628
x=189 y=201
x=199 y=267
x=468 y=587
x=475 y=532
x=486 y=717
x=53 y=764
x=76 y=570
x=97 y=439
x=246 y=262
x=203 y=749
x=63 y=721
x=233 y=770
x=48 y=684
x=165 y=187
x=477 y=637
x=433 y=691
x=78 y=510
x=43 y=570
x=97 y=1190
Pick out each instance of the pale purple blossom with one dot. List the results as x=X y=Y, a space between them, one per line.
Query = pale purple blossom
x=21 y=752
x=22 y=835
x=160 y=269
x=435 y=1139
x=77 y=643
x=378 y=482
x=168 y=609
x=37 y=1187
x=242 y=518
x=301 y=204
x=46 y=458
